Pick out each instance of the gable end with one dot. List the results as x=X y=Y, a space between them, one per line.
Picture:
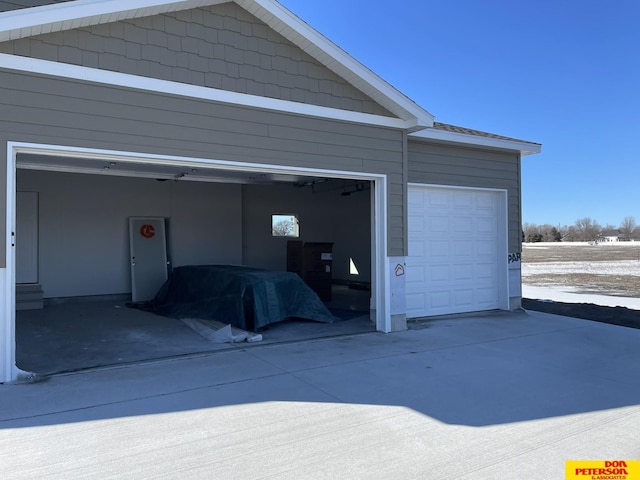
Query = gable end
x=221 y=46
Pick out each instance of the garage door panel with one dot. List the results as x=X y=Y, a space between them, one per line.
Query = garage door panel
x=462 y=200
x=416 y=274
x=462 y=248
x=485 y=248
x=463 y=225
x=457 y=269
x=417 y=204
x=487 y=201
x=463 y=272
x=463 y=298
x=438 y=224
x=485 y=296
x=415 y=303
x=440 y=299
x=485 y=271
x=439 y=273
x=417 y=248
x=486 y=225
x=438 y=249
x=418 y=222
x=436 y=200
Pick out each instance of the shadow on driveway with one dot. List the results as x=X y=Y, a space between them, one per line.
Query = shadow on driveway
x=476 y=371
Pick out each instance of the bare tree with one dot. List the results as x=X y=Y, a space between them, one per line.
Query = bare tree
x=571 y=234
x=627 y=227
x=587 y=229
x=283 y=228
x=531 y=233
x=543 y=233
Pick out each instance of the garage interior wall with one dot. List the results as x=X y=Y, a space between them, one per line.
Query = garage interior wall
x=83 y=226
x=324 y=216
x=83 y=229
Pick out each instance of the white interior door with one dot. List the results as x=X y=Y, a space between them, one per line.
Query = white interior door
x=26 y=237
x=148 y=254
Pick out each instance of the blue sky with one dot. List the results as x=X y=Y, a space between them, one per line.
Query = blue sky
x=564 y=73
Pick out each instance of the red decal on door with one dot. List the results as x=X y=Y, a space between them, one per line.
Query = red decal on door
x=147 y=231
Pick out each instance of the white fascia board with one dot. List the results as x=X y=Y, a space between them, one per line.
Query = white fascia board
x=105 y=77
x=27 y=22
x=525 y=148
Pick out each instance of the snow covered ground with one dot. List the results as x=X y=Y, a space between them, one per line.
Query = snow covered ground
x=569 y=295
x=623 y=267
x=554 y=265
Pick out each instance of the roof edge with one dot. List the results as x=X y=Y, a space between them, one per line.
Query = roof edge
x=27 y=22
x=459 y=135
x=336 y=59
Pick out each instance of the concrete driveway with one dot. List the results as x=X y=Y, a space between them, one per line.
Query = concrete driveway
x=505 y=395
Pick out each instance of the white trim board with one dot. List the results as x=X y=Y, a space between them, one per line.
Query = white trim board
x=175 y=160
x=104 y=77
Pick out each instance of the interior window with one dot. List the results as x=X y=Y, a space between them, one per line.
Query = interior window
x=284 y=225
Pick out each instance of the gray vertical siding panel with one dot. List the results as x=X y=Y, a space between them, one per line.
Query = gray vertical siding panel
x=459 y=166
x=222 y=46
x=72 y=113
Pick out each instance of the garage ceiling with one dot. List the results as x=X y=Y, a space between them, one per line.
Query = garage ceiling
x=169 y=170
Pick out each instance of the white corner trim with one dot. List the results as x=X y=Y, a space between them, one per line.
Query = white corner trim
x=525 y=148
x=75 y=72
x=7 y=281
x=382 y=274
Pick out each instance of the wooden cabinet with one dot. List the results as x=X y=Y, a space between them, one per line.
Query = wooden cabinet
x=313 y=261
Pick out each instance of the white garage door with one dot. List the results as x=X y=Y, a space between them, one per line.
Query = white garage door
x=456 y=244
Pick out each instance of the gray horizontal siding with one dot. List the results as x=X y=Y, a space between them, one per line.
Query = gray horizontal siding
x=221 y=47
x=457 y=166
x=74 y=113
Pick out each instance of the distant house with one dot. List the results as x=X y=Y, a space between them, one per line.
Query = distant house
x=611 y=236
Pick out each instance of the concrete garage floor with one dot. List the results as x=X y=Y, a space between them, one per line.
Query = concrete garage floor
x=71 y=336
x=493 y=396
